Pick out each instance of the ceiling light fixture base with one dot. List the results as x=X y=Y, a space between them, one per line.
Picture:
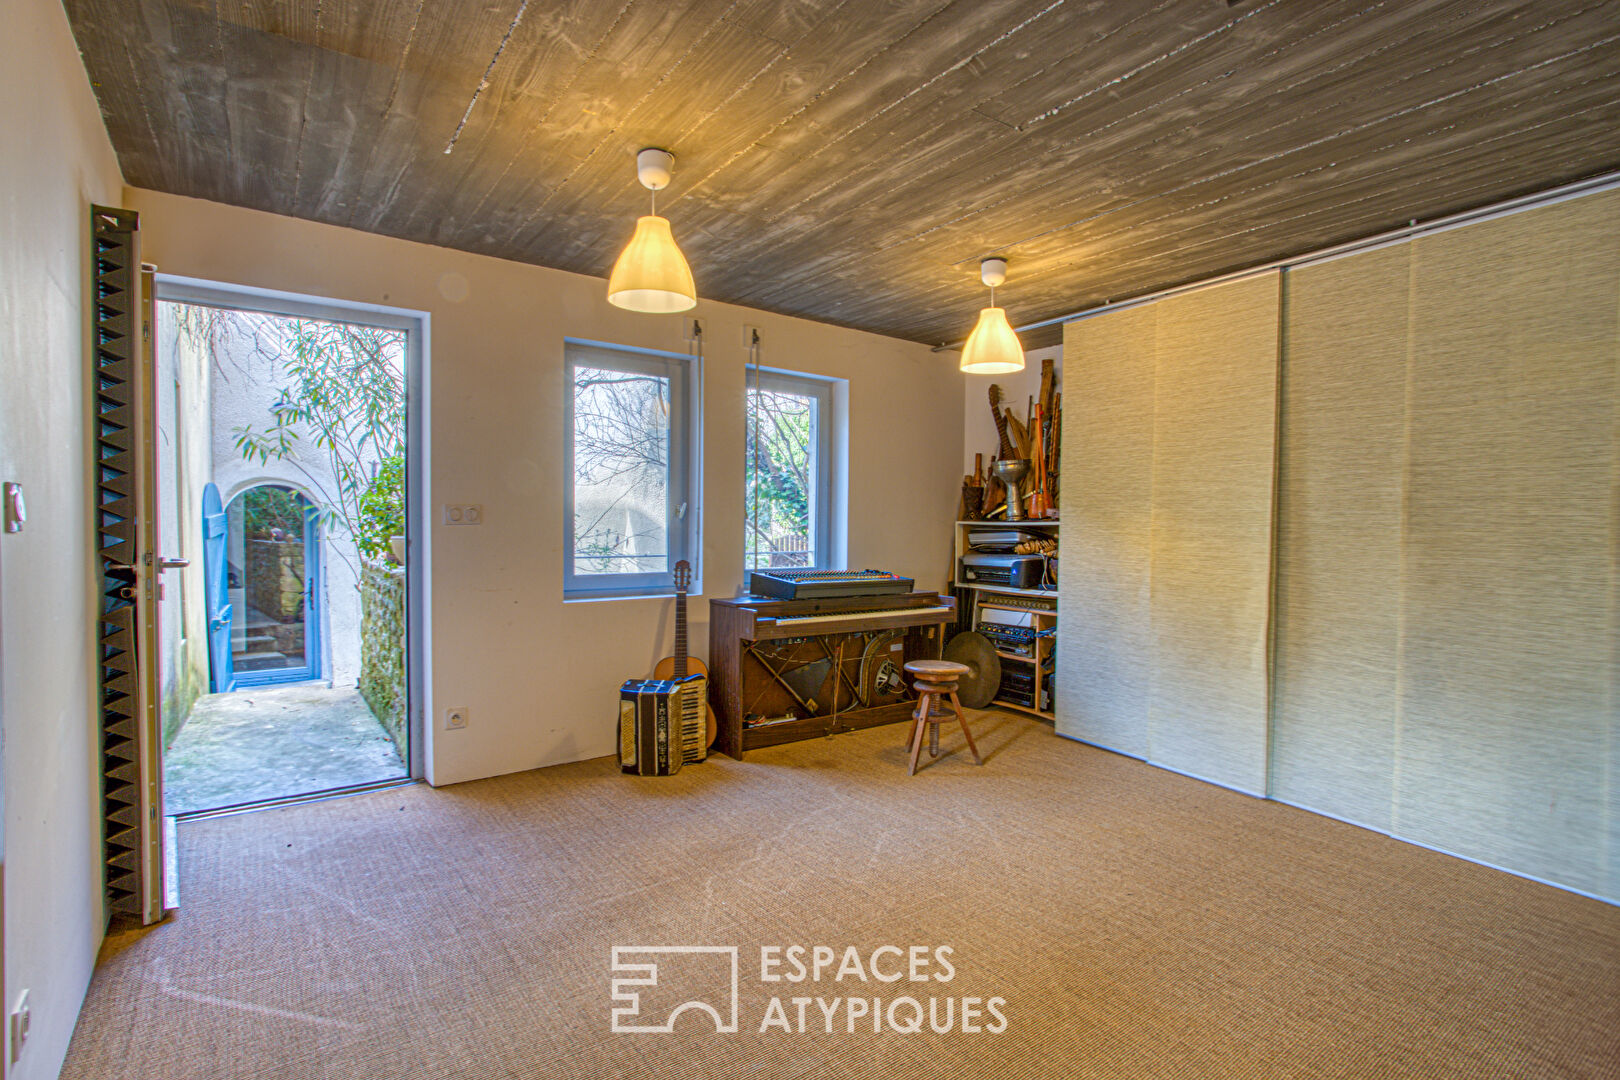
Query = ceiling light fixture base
x=653 y=167
x=993 y=272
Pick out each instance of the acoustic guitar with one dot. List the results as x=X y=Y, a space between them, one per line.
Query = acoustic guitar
x=681 y=665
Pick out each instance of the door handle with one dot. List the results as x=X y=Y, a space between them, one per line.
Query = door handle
x=173 y=564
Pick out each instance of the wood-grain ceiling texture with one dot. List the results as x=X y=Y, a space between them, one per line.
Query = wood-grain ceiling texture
x=852 y=160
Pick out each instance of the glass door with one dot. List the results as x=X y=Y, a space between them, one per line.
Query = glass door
x=272 y=577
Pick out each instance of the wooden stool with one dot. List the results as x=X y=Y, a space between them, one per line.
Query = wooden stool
x=936 y=686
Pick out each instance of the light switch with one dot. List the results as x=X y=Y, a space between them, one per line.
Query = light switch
x=16 y=509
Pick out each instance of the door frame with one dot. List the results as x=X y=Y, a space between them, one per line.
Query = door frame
x=314 y=610
x=417 y=326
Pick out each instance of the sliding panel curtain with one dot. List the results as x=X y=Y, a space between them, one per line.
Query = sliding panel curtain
x=1446 y=643
x=1214 y=471
x=1340 y=487
x=1105 y=649
x=1445 y=606
x=1169 y=450
x=1506 y=746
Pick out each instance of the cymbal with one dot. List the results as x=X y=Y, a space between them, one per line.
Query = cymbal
x=975 y=651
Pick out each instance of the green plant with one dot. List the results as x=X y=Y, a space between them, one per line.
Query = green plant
x=340 y=386
x=265 y=508
x=381 y=509
x=776 y=479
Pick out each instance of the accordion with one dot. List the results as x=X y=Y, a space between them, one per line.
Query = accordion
x=663 y=724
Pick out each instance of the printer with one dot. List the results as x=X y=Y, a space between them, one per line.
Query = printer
x=1003 y=571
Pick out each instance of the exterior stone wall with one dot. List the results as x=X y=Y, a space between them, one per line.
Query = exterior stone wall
x=275 y=578
x=382 y=646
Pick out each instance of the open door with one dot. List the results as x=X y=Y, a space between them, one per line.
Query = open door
x=273 y=595
x=130 y=570
x=216 y=585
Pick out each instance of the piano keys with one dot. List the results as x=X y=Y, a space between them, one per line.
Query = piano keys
x=783 y=670
x=818 y=624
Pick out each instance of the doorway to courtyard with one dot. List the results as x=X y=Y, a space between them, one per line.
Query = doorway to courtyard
x=286 y=458
x=269 y=598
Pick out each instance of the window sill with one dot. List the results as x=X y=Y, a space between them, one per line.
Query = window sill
x=596 y=598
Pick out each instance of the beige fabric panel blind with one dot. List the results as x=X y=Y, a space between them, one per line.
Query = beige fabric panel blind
x=1169 y=442
x=1506 y=746
x=1341 y=458
x=1214 y=468
x=1107 y=469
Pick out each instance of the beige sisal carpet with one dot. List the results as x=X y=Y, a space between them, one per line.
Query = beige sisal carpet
x=1136 y=924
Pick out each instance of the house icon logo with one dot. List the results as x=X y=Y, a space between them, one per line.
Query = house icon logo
x=709 y=968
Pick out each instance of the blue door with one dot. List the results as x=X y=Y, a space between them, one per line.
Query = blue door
x=215 y=585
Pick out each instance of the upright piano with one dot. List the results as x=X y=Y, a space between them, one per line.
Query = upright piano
x=784 y=670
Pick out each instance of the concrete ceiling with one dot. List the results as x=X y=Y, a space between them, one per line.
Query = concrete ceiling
x=852 y=160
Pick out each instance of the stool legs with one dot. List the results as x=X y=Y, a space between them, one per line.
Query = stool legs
x=928 y=700
x=962 y=719
x=924 y=703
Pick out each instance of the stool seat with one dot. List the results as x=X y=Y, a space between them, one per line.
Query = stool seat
x=937 y=670
x=936 y=688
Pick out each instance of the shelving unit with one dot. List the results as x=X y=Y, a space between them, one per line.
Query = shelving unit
x=978 y=597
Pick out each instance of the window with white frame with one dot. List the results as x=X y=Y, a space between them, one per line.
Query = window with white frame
x=630 y=513
x=787 y=494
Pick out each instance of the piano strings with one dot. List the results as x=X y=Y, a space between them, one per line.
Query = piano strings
x=805 y=667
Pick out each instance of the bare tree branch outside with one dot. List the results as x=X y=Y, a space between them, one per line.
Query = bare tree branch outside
x=340 y=400
x=621 y=471
x=779 y=480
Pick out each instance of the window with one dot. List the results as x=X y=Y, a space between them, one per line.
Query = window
x=630 y=509
x=787 y=491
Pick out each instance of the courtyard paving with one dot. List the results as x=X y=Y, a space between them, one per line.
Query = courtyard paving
x=270 y=742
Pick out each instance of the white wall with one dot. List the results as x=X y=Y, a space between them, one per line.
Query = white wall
x=978 y=430
x=246 y=378
x=183 y=405
x=54 y=161
x=539 y=676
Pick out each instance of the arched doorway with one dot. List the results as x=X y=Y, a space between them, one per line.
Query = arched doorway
x=272 y=586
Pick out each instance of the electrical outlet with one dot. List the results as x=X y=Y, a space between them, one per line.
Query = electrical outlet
x=22 y=1016
x=455 y=718
x=463 y=514
x=692 y=328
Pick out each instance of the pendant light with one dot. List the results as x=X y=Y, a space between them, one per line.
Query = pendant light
x=651 y=274
x=992 y=348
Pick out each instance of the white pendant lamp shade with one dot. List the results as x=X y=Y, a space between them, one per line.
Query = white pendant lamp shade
x=992 y=348
x=651 y=274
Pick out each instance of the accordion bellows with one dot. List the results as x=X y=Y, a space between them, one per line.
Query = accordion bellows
x=663 y=724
